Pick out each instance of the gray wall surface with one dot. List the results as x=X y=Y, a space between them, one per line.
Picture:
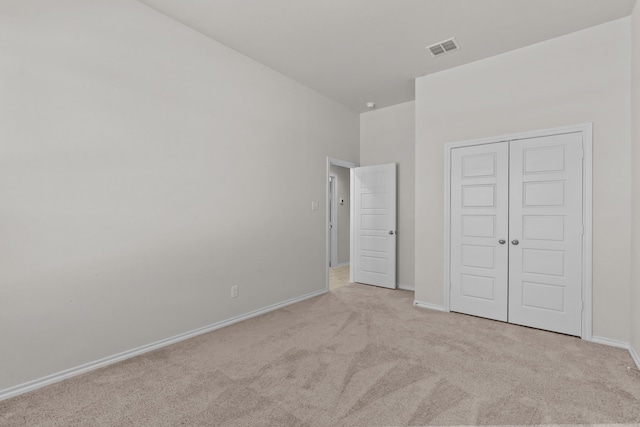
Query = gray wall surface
x=578 y=78
x=145 y=170
x=635 y=134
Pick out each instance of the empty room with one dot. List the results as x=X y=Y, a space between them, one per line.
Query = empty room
x=319 y=212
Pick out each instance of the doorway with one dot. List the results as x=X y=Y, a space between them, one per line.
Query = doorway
x=333 y=216
x=338 y=214
x=519 y=229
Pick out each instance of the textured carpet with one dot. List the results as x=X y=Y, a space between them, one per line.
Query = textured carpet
x=358 y=355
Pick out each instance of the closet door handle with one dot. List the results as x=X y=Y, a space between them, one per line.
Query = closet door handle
x=502 y=241
x=514 y=242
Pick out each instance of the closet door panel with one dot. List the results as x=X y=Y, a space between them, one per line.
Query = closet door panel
x=545 y=233
x=479 y=220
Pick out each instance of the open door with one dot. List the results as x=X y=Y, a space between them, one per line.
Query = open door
x=373 y=192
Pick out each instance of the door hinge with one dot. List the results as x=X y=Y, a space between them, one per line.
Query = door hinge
x=581 y=154
x=582 y=229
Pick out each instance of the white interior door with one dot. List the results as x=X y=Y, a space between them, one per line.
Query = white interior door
x=545 y=278
x=373 y=190
x=479 y=230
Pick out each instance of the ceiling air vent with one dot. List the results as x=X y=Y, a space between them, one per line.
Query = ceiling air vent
x=443 y=47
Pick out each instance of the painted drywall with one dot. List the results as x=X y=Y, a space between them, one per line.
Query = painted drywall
x=578 y=78
x=343 y=191
x=387 y=135
x=145 y=170
x=635 y=137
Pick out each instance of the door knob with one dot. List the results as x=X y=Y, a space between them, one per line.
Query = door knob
x=391 y=232
x=514 y=242
x=502 y=241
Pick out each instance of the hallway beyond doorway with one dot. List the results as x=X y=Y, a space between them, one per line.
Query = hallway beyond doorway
x=338 y=277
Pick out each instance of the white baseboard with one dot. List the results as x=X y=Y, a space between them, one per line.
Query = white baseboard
x=406 y=287
x=610 y=342
x=429 y=306
x=90 y=366
x=341 y=264
x=619 y=344
x=634 y=356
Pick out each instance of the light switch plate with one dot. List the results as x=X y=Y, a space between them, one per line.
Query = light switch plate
x=314 y=206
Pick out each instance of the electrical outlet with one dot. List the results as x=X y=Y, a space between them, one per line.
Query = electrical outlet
x=234 y=292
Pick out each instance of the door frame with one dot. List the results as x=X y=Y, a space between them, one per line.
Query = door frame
x=587 y=211
x=333 y=246
x=345 y=164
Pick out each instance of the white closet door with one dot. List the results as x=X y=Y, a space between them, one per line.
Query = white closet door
x=479 y=223
x=545 y=249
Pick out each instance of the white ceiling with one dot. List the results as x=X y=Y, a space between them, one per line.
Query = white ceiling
x=355 y=51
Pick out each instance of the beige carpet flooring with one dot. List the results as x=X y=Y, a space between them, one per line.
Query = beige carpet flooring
x=356 y=356
x=338 y=277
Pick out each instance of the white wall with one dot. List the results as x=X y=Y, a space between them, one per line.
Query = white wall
x=578 y=78
x=145 y=169
x=387 y=135
x=343 y=190
x=635 y=160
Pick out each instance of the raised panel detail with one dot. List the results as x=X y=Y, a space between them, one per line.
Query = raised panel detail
x=477 y=286
x=373 y=243
x=544 y=159
x=542 y=261
x=372 y=180
x=544 y=296
x=374 y=200
x=478 y=196
x=373 y=264
x=478 y=226
x=479 y=165
x=542 y=194
x=374 y=222
x=543 y=227
x=478 y=256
